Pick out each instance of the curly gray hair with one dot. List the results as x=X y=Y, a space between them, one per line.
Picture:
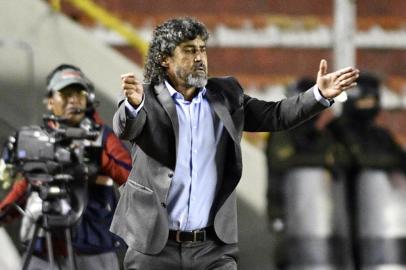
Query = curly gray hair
x=165 y=38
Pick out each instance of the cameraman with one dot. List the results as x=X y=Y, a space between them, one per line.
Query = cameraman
x=70 y=96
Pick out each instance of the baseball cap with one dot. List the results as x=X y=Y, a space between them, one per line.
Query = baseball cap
x=64 y=76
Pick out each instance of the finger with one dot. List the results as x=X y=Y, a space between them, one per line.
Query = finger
x=354 y=74
x=128 y=87
x=127 y=75
x=338 y=75
x=129 y=80
x=132 y=81
x=346 y=82
x=128 y=93
x=349 y=86
x=343 y=71
x=323 y=67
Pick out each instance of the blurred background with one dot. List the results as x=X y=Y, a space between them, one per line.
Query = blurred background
x=266 y=44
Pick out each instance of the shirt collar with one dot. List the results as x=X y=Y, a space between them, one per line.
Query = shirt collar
x=176 y=95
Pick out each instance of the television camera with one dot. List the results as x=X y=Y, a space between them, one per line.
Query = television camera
x=57 y=163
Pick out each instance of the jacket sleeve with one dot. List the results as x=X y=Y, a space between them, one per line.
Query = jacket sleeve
x=15 y=195
x=285 y=114
x=115 y=159
x=125 y=126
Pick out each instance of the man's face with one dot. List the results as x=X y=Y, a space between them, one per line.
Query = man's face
x=187 y=67
x=69 y=102
x=367 y=102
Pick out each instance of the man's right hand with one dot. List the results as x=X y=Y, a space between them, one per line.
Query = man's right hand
x=132 y=89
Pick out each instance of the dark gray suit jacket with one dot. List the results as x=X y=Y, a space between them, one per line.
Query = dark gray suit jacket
x=141 y=217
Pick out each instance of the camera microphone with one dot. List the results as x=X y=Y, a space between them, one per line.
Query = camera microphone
x=80 y=133
x=78 y=111
x=75 y=133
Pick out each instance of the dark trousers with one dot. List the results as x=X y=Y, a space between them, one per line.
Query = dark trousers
x=206 y=255
x=106 y=261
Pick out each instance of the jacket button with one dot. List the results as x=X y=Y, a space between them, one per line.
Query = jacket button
x=163 y=205
x=170 y=175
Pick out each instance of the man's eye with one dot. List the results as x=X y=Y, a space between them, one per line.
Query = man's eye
x=83 y=93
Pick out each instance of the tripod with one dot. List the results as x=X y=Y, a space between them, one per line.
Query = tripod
x=44 y=222
x=53 y=216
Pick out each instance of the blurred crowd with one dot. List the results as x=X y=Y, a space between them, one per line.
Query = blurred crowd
x=337 y=186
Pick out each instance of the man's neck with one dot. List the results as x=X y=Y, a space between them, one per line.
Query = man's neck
x=188 y=93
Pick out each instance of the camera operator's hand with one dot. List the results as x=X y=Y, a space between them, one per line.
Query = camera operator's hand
x=132 y=89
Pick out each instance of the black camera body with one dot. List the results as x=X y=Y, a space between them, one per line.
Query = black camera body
x=39 y=150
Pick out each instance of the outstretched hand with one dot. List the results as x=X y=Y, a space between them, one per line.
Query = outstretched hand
x=132 y=89
x=334 y=83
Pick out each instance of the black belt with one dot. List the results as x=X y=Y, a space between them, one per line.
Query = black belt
x=192 y=236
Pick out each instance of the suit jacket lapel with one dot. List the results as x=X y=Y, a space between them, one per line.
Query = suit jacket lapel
x=169 y=106
x=217 y=101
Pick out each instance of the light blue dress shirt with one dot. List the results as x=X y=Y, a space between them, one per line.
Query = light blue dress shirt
x=194 y=184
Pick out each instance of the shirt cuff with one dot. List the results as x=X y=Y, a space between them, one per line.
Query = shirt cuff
x=324 y=101
x=133 y=112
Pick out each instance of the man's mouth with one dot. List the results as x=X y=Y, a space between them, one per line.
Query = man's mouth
x=200 y=68
x=200 y=72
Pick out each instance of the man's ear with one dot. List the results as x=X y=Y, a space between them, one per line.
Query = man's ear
x=50 y=103
x=164 y=61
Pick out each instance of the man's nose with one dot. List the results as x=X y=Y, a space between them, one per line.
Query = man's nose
x=198 y=56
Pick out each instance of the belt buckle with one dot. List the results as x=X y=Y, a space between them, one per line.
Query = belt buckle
x=177 y=238
x=195 y=235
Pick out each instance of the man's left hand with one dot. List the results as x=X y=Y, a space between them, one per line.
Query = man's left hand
x=332 y=84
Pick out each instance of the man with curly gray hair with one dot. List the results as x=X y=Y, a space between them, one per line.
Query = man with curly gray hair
x=178 y=208
x=165 y=39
